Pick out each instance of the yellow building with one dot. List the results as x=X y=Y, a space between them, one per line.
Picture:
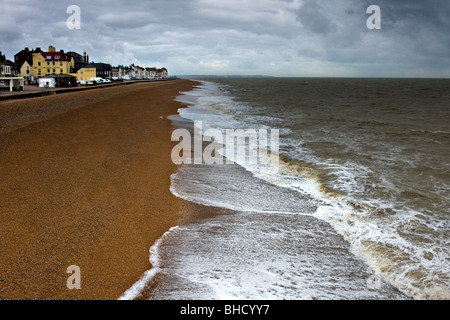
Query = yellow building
x=85 y=74
x=25 y=71
x=52 y=62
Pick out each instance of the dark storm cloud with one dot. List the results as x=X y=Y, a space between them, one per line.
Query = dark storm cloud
x=416 y=14
x=313 y=18
x=421 y=31
x=280 y=37
x=413 y=39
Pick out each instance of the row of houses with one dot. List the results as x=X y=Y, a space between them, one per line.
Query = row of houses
x=6 y=66
x=133 y=72
x=34 y=64
x=7 y=76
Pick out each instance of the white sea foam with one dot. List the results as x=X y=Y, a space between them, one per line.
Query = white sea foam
x=254 y=256
x=400 y=244
x=138 y=287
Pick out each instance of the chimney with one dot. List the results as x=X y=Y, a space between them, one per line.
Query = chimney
x=51 y=49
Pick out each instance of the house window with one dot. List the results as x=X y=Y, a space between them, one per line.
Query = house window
x=39 y=64
x=54 y=70
x=48 y=57
x=39 y=72
x=53 y=62
x=60 y=63
x=48 y=70
x=60 y=71
x=57 y=57
x=48 y=63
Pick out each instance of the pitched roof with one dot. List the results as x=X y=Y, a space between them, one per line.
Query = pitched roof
x=56 y=56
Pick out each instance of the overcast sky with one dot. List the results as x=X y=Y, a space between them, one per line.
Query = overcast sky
x=248 y=37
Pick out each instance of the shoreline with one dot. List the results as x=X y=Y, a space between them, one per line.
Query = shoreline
x=182 y=250
x=86 y=179
x=147 y=285
x=33 y=91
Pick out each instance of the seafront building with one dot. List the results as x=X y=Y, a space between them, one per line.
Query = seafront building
x=8 y=80
x=51 y=62
x=81 y=69
x=31 y=65
x=23 y=61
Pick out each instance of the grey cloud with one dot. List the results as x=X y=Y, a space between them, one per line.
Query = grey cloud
x=192 y=36
x=421 y=26
x=311 y=15
x=9 y=36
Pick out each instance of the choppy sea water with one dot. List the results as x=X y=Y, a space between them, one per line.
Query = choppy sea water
x=357 y=210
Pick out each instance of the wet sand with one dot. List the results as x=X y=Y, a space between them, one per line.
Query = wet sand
x=85 y=181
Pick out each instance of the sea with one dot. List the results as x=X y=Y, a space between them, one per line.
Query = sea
x=355 y=207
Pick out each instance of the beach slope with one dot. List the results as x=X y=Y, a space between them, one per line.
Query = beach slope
x=85 y=181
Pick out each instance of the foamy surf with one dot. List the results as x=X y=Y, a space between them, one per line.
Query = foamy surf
x=354 y=173
x=136 y=290
x=343 y=164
